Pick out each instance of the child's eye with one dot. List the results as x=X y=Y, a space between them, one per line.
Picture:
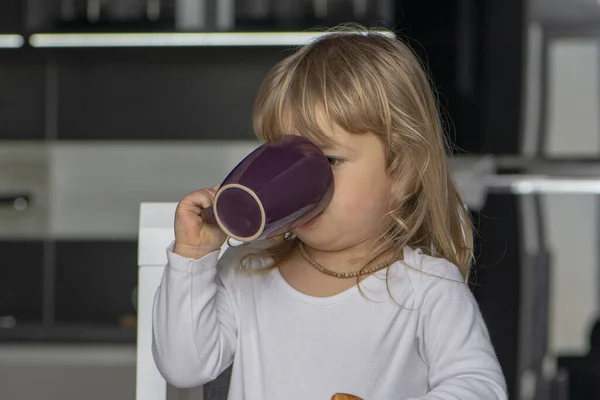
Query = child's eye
x=334 y=161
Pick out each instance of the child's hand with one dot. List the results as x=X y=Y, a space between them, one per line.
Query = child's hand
x=344 y=396
x=193 y=238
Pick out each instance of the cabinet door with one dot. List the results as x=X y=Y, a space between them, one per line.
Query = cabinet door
x=96 y=283
x=21 y=95
x=21 y=282
x=204 y=93
x=11 y=16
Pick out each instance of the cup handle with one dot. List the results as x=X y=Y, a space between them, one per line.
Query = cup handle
x=208 y=216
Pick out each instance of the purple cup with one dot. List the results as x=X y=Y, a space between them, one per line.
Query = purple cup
x=275 y=189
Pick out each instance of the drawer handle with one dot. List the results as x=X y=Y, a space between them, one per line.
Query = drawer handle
x=17 y=201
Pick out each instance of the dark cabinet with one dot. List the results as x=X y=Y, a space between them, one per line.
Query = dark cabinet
x=68 y=291
x=21 y=283
x=22 y=95
x=204 y=93
x=11 y=16
x=95 y=283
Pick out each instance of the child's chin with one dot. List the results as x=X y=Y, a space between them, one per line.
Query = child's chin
x=314 y=239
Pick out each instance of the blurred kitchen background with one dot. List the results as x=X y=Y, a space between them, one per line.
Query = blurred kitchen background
x=105 y=104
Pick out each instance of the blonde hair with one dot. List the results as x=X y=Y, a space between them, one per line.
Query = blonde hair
x=366 y=81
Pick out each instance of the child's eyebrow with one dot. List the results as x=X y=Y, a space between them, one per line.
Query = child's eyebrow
x=326 y=143
x=336 y=146
x=331 y=146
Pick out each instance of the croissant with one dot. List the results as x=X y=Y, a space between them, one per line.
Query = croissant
x=344 y=396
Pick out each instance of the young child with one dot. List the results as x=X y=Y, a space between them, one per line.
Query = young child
x=369 y=298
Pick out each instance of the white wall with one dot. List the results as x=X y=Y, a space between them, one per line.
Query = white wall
x=572 y=220
x=95 y=189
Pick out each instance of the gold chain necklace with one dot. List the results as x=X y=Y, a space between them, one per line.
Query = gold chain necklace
x=341 y=275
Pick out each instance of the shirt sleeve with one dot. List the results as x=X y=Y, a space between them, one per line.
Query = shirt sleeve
x=194 y=319
x=455 y=344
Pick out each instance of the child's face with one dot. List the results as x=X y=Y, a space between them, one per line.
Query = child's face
x=361 y=194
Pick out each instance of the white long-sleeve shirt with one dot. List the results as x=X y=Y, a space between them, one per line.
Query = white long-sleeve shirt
x=426 y=341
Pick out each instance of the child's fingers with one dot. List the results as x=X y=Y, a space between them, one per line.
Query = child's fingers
x=199 y=199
